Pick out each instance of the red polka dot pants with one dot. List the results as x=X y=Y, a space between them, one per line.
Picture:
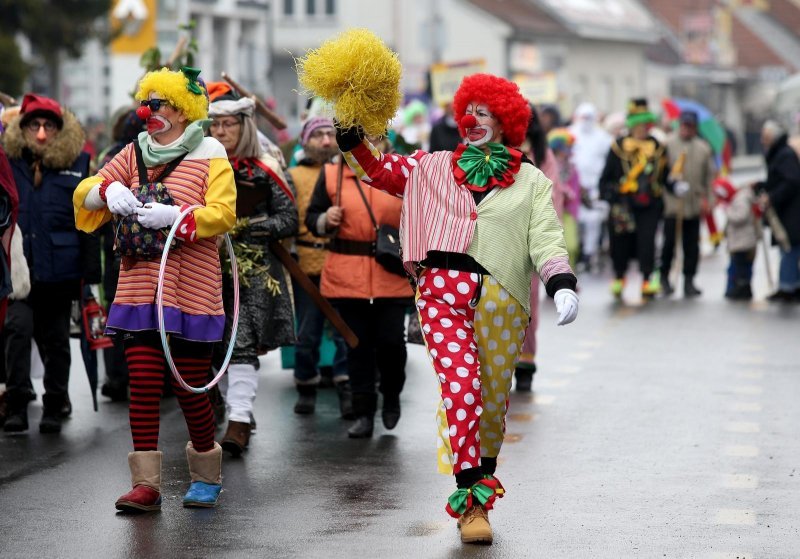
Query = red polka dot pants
x=447 y=320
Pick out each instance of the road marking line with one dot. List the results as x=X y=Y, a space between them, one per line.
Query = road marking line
x=741 y=517
x=591 y=343
x=753 y=348
x=748 y=389
x=553 y=383
x=568 y=369
x=742 y=451
x=742 y=427
x=752 y=360
x=581 y=356
x=747 y=406
x=754 y=375
x=740 y=481
x=544 y=399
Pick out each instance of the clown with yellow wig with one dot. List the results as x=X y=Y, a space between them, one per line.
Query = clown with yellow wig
x=144 y=189
x=476 y=224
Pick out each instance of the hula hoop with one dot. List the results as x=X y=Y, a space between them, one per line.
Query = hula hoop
x=160 y=308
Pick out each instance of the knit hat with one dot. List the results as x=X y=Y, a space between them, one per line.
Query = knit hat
x=312 y=124
x=639 y=113
x=34 y=105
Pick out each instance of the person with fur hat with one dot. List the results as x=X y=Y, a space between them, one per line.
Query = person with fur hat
x=44 y=145
x=318 y=146
x=266 y=212
x=633 y=182
x=476 y=224
x=171 y=166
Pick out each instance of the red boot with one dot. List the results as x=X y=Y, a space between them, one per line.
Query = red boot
x=146 y=480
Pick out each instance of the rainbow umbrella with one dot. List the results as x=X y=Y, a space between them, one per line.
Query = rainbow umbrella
x=708 y=126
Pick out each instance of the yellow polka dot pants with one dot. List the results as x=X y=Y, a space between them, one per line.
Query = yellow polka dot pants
x=473 y=343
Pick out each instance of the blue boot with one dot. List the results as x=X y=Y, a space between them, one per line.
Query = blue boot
x=202 y=494
x=206 y=471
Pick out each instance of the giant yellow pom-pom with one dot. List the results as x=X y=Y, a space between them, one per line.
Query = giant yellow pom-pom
x=359 y=75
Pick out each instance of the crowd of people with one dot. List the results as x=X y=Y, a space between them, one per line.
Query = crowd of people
x=191 y=152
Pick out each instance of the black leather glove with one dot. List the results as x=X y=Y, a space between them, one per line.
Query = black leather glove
x=348 y=138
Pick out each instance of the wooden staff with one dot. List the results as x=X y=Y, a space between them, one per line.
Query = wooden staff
x=778 y=230
x=7 y=99
x=339 y=178
x=677 y=174
x=177 y=51
x=265 y=111
x=308 y=286
x=764 y=251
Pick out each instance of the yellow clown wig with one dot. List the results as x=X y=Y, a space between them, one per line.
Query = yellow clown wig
x=182 y=89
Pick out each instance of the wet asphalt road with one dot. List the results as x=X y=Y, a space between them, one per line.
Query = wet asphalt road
x=659 y=430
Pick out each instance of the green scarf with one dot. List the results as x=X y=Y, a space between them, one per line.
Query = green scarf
x=480 y=166
x=155 y=154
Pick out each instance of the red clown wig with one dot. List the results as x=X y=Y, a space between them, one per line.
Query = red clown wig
x=504 y=100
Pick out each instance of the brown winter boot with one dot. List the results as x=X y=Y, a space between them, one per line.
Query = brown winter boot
x=474 y=525
x=146 y=481
x=237 y=438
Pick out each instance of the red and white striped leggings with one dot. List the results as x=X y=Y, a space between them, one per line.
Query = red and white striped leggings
x=147 y=367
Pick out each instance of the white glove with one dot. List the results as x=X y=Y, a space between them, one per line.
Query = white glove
x=120 y=200
x=157 y=216
x=566 y=305
x=681 y=188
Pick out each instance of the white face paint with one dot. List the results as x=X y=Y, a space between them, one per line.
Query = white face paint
x=158 y=123
x=488 y=128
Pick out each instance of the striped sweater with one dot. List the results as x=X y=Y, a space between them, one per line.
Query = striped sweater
x=192 y=283
x=514 y=232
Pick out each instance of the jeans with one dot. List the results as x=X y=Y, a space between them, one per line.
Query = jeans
x=310 y=325
x=789 y=273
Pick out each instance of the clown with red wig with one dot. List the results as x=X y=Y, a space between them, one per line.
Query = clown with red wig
x=476 y=224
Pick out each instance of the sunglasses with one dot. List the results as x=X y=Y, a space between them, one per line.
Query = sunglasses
x=155 y=104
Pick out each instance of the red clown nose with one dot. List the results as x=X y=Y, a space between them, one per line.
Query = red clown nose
x=468 y=121
x=143 y=112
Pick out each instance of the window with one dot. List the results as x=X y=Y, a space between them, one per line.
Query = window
x=311 y=7
x=330 y=7
x=288 y=7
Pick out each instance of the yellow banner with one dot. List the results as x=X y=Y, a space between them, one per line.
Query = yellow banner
x=538 y=88
x=135 y=23
x=446 y=77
